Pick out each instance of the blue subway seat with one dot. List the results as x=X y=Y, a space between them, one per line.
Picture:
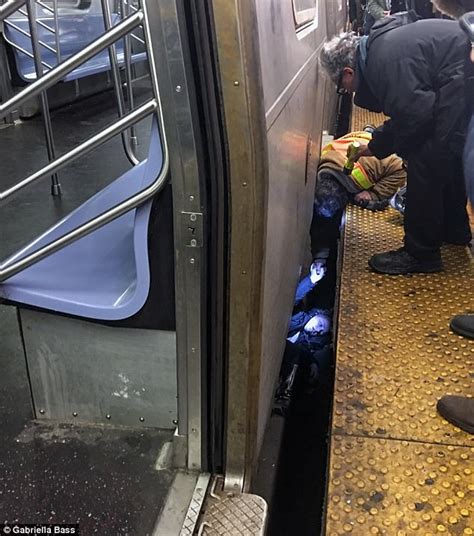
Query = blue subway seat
x=75 y=32
x=104 y=275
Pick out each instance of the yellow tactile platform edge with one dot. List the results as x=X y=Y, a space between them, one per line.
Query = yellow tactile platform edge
x=396 y=467
x=398 y=488
x=361 y=118
x=395 y=353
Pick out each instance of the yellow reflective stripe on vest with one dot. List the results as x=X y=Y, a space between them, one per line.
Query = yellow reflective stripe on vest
x=329 y=147
x=340 y=144
x=354 y=136
x=357 y=136
x=360 y=177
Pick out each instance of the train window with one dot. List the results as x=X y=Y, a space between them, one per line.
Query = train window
x=304 y=12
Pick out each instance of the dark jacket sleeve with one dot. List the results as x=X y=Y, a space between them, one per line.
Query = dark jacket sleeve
x=298 y=322
x=382 y=143
x=404 y=88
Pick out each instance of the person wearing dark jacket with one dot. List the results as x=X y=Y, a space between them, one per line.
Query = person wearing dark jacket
x=412 y=71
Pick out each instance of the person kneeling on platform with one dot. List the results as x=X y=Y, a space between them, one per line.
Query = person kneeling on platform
x=370 y=185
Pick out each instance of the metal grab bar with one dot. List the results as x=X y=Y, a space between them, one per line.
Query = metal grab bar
x=10 y=7
x=64 y=68
x=40 y=22
x=7 y=270
x=16 y=264
x=56 y=30
x=44 y=6
x=127 y=146
x=26 y=34
x=30 y=55
x=92 y=143
x=12 y=267
x=124 y=8
x=133 y=8
x=48 y=129
x=133 y=36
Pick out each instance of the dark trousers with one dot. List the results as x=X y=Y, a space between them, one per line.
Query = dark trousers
x=469 y=161
x=324 y=232
x=435 y=203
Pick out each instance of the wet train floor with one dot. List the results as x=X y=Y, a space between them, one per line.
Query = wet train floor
x=103 y=478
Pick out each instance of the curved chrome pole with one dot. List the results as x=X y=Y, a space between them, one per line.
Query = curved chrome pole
x=64 y=68
x=48 y=128
x=12 y=266
x=98 y=139
x=128 y=71
x=9 y=8
x=127 y=146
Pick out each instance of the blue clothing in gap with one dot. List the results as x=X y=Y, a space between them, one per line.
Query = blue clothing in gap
x=296 y=331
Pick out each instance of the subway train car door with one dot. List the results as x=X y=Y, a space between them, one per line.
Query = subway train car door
x=273 y=105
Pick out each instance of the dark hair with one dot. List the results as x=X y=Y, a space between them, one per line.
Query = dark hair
x=329 y=196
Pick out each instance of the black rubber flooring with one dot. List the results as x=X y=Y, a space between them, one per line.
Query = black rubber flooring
x=100 y=477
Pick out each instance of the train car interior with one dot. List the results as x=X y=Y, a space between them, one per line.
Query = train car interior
x=158 y=164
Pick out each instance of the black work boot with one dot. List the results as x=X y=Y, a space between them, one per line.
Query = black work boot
x=458 y=410
x=463 y=325
x=400 y=262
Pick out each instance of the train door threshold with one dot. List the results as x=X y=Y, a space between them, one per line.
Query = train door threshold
x=396 y=467
x=214 y=512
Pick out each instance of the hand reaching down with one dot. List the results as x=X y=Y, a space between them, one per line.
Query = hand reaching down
x=317 y=271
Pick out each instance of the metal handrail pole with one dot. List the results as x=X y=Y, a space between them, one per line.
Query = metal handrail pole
x=6 y=89
x=30 y=55
x=60 y=71
x=44 y=25
x=26 y=34
x=44 y=6
x=127 y=146
x=150 y=53
x=128 y=71
x=92 y=143
x=56 y=30
x=46 y=116
x=10 y=268
x=39 y=21
x=10 y=7
x=133 y=8
x=133 y=36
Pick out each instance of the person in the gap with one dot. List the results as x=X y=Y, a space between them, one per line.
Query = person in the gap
x=412 y=70
x=310 y=328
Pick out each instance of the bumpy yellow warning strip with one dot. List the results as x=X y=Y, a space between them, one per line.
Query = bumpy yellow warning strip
x=396 y=467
